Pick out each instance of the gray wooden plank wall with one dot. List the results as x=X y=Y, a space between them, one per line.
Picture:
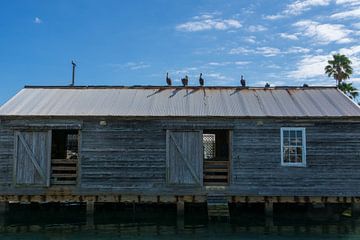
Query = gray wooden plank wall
x=128 y=155
x=6 y=156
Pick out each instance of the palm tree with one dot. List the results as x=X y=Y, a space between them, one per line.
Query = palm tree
x=339 y=68
x=349 y=90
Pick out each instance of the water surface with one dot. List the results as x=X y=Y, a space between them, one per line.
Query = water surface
x=153 y=223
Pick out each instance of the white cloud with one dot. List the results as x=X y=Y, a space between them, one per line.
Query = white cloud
x=218 y=79
x=349 y=2
x=265 y=51
x=297 y=50
x=298 y=7
x=312 y=66
x=257 y=28
x=241 y=50
x=218 y=64
x=208 y=22
x=242 y=63
x=37 y=20
x=324 y=33
x=301 y=6
x=354 y=13
x=250 y=39
x=356 y=25
x=353 y=53
x=289 y=36
x=130 y=65
x=268 y=51
x=355 y=80
x=309 y=67
x=274 y=17
x=221 y=64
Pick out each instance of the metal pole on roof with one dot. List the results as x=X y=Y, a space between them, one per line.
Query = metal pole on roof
x=73 y=73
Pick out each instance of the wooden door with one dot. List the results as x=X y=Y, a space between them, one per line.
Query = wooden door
x=184 y=157
x=32 y=158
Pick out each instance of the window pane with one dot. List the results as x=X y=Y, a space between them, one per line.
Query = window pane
x=299 y=154
x=286 y=135
x=292 y=157
x=209 y=146
x=286 y=155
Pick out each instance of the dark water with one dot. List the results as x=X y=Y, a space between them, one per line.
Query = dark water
x=59 y=223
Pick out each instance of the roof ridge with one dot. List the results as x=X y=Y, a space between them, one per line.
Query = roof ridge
x=172 y=87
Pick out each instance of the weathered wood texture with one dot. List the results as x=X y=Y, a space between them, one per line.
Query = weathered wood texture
x=184 y=160
x=6 y=156
x=333 y=160
x=130 y=156
x=32 y=158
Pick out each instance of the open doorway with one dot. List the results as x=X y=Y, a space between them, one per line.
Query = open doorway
x=216 y=145
x=64 y=157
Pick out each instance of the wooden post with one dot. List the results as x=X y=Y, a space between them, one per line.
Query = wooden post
x=180 y=207
x=355 y=209
x=269 y=209
x=4 y=207
x=90 y=210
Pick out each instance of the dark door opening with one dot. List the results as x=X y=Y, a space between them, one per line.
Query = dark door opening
x=216 y=157
x=64 y=157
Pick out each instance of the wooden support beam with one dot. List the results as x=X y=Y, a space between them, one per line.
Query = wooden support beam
x=269 y=209
x=90 y=208
x=180 y=208
x=355 y=209
x=4 y=207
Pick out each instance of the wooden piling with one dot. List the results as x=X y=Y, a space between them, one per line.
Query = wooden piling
x=90 y=210
x=355 y=209
x=180 y=208
x=4 y=207
x=269 y=209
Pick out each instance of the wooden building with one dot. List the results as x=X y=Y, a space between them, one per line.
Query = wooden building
x=179 y=144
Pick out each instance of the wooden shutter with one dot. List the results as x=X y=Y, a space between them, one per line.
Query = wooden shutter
x=32 y=158
x=184 y=157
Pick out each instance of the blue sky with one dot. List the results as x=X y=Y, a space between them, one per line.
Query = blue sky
x=136 y=42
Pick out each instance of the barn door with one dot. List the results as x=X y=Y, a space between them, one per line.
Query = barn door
x=32 y=158
x=184 y=157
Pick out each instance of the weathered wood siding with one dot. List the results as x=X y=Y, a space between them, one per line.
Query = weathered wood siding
x=130 y=155
x=6 y=156
x=184 y=160
x=123 y=154
x=333 y=160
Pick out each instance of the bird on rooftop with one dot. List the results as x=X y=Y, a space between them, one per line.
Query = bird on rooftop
x=168 y=79
x=185 y=80
x=242 y=81
x=201 y=80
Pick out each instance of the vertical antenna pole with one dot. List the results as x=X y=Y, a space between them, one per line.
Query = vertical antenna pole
x=73 y=73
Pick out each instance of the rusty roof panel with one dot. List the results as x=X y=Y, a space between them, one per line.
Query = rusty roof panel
x=180 y=101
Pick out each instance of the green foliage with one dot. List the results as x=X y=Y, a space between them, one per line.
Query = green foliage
x=349 y=90
x=339 y=68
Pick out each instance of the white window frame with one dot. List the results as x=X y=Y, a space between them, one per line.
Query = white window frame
x=303 y=155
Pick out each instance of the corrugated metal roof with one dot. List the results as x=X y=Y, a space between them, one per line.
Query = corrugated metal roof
x=181 y=101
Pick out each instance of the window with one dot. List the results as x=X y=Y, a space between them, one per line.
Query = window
x=209 y=146
x=293 y=147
